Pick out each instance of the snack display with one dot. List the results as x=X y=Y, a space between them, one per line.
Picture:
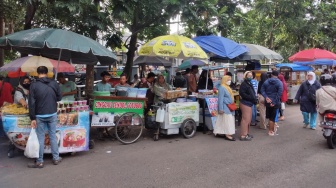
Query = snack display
x=14 y=109
x=74 y=138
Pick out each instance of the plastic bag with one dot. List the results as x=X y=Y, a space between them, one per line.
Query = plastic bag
x=283 y=106
x=33 y=146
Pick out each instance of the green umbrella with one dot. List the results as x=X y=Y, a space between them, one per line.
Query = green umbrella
x=58 y=44
x=189 y=63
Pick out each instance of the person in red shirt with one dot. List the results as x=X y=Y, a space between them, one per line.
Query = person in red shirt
x=6 y=91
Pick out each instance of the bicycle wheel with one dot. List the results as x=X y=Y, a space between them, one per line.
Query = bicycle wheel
x=128 y=128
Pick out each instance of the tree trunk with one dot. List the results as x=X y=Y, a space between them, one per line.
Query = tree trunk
x=89 y=81
x=130 y=55
x=90 y=68
x=2 y=33
x=30 y=13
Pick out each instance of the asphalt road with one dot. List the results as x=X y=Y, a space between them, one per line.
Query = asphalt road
x=297 y=157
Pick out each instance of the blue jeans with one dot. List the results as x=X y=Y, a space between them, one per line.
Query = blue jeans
x=309 y=121
x=254 y=114
x=44 y=124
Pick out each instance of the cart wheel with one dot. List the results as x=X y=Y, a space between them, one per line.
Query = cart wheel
x=10 y=153
x=129 y=128
x=156 y=137
x=188 y=128
x=91 y=144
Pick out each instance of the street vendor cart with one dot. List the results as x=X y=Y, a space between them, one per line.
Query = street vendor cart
x=126 y=115
x=72 y=131
x=294 y=75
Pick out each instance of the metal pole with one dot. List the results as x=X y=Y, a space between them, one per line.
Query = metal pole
x=59 y=59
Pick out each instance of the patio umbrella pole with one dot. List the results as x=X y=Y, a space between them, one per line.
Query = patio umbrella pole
x=206 y=84
x=59 y=59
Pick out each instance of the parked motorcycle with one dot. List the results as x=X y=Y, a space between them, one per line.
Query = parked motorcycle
x=329 y=128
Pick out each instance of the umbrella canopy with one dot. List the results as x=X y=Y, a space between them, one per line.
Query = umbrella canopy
x=173 y=46
x=30 y=64
x=220 y=46
x=189 y=63
x=58 y=43
x=257 y=52
x=312 y=54
x=329 y=62
x=152 y=60
x=293 y=67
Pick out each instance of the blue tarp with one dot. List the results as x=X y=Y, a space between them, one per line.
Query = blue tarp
x=294 y=67
x=220 y=46
x=329 y=62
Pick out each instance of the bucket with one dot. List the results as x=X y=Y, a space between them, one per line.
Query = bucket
x=122 y=91
x=192 y=97
x=132 y=92
x=142 y=92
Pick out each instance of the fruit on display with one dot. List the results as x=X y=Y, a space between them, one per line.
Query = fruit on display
x=14 y=109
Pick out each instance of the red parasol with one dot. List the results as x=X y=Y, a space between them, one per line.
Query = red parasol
x=312 y=54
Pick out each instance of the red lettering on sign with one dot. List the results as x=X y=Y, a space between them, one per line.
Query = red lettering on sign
x=102 y=104
x=120 y=105
x=134 y=105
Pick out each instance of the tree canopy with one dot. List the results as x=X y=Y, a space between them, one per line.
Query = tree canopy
x=285 y=26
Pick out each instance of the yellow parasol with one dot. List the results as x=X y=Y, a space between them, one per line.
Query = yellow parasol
x=173 y=46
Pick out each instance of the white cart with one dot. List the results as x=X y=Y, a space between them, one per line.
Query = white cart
x=179 y=117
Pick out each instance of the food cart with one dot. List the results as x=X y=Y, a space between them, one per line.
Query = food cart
x=126 y=115
x=72 y=131
x=294 y=75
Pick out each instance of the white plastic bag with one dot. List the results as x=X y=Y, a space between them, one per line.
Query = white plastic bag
x=283 y=106
x=33 y=146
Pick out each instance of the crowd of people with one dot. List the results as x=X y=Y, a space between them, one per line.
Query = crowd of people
x=270 y=93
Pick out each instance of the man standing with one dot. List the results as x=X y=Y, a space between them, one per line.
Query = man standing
x=43 y=97
x=104 y=85
x=192 y=79
x=272 y=91
x=68 y=88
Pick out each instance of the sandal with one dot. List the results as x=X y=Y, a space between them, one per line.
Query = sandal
x=229 y=139
x=36 y=165
x=270 y=133
x=245 y=138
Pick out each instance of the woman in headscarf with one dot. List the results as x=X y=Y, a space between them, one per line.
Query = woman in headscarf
x=305 y=95
x=284 y=96
x=22 y=92
x=225 y=123
x=160 y=87
x=247 y=100
x=261 y=99
x=203 y=80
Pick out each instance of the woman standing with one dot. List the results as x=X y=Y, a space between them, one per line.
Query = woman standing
x=261 y=99
x=247 y=100
x=225 y=123
x=203 y=80
x=284 y=96
x=160 y=87
x=306 y=96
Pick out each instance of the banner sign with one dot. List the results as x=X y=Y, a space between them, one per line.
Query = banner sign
x=106 y=111
x=212 y=104
x=72 y=131
x=178 y=112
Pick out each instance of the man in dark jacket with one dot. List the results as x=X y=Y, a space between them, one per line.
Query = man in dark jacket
x=43 y=97
x=179 y=81
x=272 y=91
